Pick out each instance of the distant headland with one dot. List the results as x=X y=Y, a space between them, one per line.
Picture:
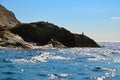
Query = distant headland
x=14 y=34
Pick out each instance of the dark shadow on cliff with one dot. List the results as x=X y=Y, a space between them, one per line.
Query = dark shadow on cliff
x=42 y=33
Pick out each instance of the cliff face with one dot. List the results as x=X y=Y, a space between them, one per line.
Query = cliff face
x=43 y=32
x=7 y=18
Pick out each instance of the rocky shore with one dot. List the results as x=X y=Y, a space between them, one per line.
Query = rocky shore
x=14 y=34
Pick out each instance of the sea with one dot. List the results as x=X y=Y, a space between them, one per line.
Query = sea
x=61 y=64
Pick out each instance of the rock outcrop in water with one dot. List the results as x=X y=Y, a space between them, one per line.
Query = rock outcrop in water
x=84 y=41
x=15 y=34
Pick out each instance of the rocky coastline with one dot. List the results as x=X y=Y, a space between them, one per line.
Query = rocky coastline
x=14 y=34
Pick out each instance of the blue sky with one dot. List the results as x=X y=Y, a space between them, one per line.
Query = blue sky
x=98 y=19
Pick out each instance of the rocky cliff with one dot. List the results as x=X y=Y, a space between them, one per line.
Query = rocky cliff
x=10 y=40
x=7 y=18
x=14 y=34
x=43 y=32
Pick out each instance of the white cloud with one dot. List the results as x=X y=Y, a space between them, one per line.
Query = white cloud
x=116 y=18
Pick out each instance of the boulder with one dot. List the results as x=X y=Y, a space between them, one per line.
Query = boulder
x=56 y=44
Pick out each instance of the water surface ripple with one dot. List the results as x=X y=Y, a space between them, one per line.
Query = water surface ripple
x=62 y=64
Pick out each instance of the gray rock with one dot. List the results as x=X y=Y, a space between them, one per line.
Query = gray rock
x=10 y=40
x=56 y=44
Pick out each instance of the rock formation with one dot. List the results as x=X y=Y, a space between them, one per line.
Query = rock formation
x=8 y=39
x=84 y=41
x=7 y=18
x=14 y=34
x=42 y=33
x=56 y=44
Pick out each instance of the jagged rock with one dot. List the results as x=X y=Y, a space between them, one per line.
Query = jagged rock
x=7 y=18
x=8 y=39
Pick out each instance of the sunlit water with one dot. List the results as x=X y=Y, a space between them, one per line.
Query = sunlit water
x=62 y=64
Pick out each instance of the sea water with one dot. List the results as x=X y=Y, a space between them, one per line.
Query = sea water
x=62 y=64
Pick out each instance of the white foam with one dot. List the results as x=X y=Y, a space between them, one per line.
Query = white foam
x=53 y=76
x=64 y=75
x=23 y=61
x=59 y=57
x=101 y=78
x=41 y=58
